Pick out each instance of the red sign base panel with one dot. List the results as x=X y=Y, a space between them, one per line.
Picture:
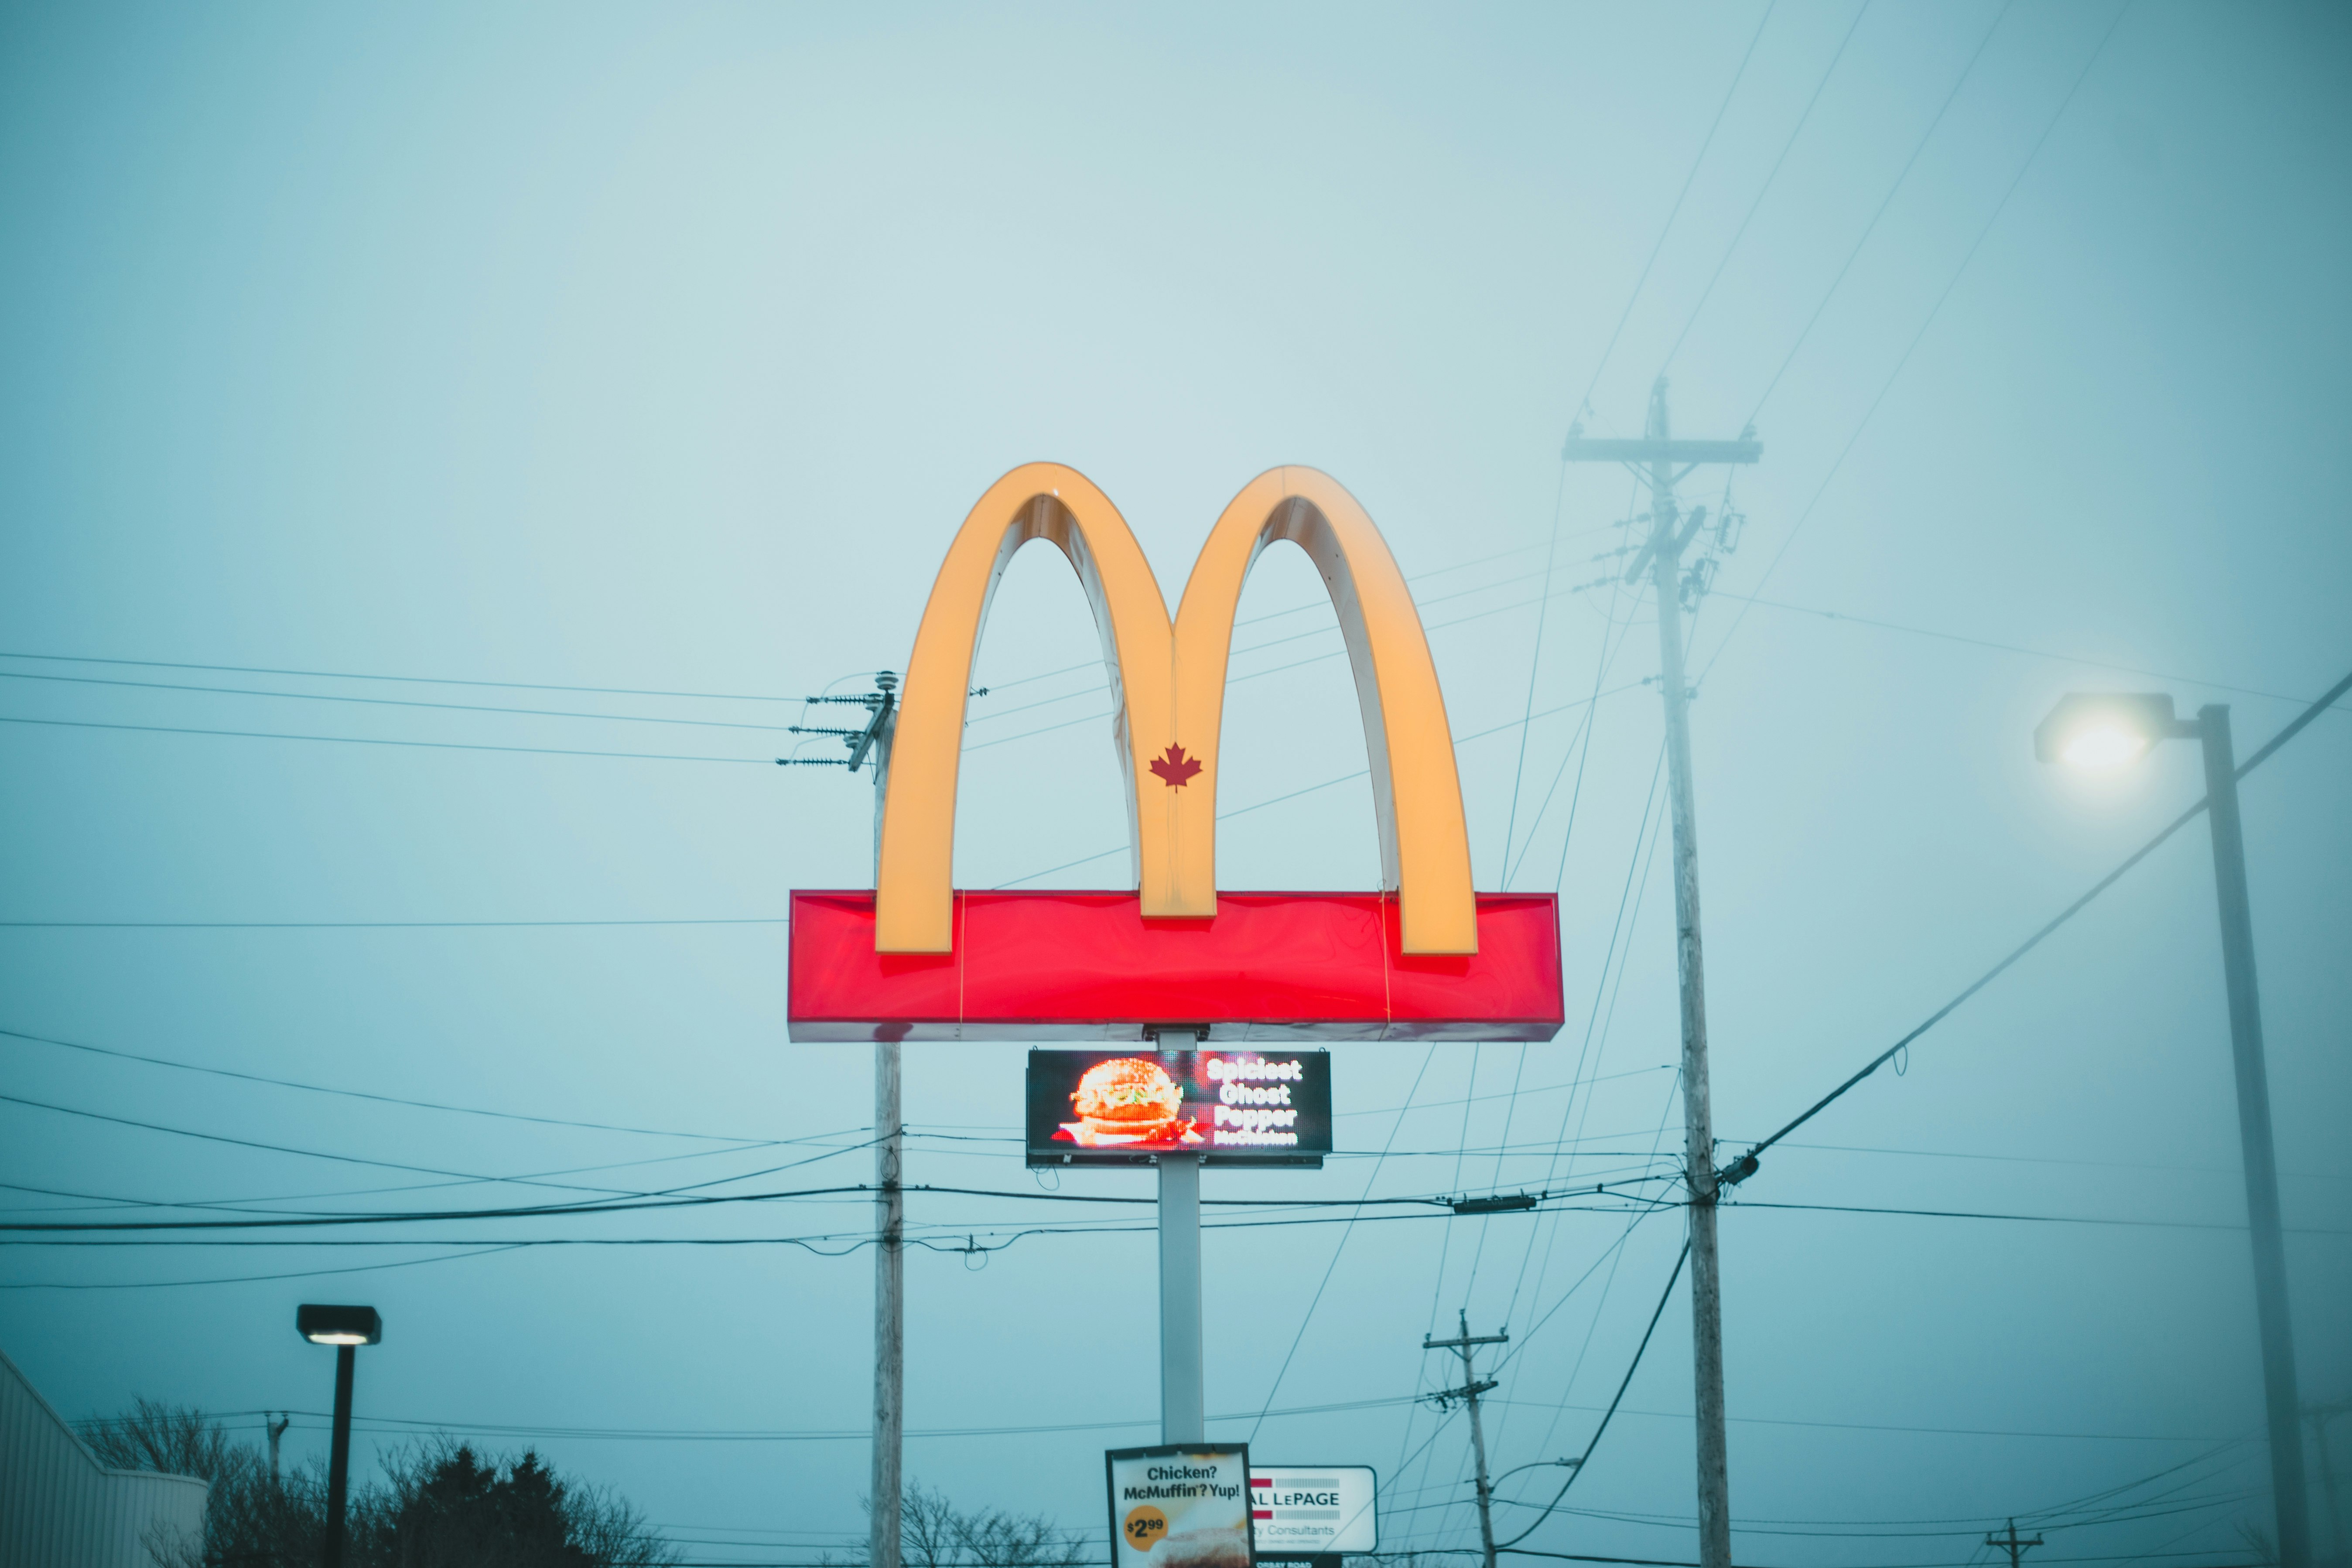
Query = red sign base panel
x=1088 y=966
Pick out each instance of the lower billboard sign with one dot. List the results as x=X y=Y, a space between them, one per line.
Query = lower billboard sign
x=1186 y=1506
x=1313 y=1511
x=1230 y=1106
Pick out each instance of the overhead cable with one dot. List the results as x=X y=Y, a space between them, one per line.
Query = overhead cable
x=2006 y=647
x=361 y=1094
x=403 y=679
x=1627 y=1381
x=377 y=741
x=386 y=702
x=1672 y=213
x=1764 y=189
x=633 y=1206
x=1892 y=191
x=1746 y=1163
x=1916 y=338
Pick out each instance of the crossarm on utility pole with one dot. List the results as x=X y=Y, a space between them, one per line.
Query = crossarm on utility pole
x=1594 y=449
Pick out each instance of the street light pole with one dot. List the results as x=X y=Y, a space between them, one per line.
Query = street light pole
x=2212 y=726
x=346 y=1328
x=2112 y=729
x=339 y=1457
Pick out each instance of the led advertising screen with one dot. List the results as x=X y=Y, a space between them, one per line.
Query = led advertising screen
x=1313 y=1511
x=1231 y=1106
x=1181 y=1507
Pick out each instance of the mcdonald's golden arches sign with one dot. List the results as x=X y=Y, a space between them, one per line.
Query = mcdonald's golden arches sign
x=1426 y=956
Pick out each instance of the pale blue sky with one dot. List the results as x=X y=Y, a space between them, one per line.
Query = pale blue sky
x=665 y=348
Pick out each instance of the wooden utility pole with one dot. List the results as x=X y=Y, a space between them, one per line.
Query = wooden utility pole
x=871 y=744
x=2013 y=1544
x=889 y=1205
x=1465 y=1346
x=1657 y=457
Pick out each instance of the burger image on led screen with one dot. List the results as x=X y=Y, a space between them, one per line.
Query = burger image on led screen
x=1127 y=1097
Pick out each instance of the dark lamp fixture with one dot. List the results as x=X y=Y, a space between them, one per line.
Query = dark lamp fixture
x=339 y=1325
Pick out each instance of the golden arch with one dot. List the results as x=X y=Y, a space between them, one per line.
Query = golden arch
x=1168 y=690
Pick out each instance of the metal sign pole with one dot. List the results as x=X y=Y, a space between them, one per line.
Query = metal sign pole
x=1183 y=1406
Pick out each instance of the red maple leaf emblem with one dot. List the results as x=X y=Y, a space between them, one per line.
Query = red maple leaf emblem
x=1174 y=768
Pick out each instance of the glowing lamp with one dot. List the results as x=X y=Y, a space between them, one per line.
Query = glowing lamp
x=2105 y=730
x=339 y=1325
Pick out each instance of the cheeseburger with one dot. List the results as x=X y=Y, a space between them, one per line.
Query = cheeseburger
x=1129 y=1097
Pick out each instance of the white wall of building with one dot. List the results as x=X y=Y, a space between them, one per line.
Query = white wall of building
x=59 y=1508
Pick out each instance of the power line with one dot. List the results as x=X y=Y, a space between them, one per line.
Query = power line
x=596 y=691
x=1421 y=605
x=1665 y=229
x=251 y=1278
x=404 y=679
x=374 y=741
x=1669 y=1521
x=1617 y=929
x=1764 y=189
x=1535 y=663
x=1326 y=783
x=1310 y=789
x=1916 y=338
x=363 y=1094
x=1280 y=668
x=1627 y=1381
x=1275 y=1387
x=1887 y=1427
x=1746 y=1164
x=270 y=1148
x=1583 y=754
x=2005 y=648
x=1892 y=191
x=372 y=925
x=1574 y=1083
x=1585 y=1348
x=942 y=1238
x=241 y=1203
x=637 y=756
x=2029 y=1219
x=1313 y=603
x=1612 y=1250
x=385 y=701
x=635 y=1203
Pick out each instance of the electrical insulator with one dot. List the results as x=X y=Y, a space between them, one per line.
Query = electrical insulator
x=1697 y=580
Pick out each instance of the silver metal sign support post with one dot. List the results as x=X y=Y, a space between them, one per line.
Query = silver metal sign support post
x=1183 y=1403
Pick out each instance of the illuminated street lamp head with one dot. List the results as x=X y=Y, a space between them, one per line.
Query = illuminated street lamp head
x=339 y=1325
x=2104 y=730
